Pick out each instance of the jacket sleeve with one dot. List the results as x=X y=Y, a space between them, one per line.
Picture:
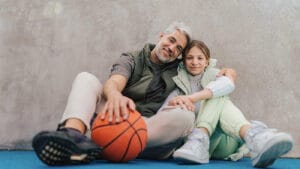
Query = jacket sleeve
x=221 y=86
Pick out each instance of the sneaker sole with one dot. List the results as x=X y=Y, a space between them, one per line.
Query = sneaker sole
x=53 y=151
x=274 y=149
x=185 y=158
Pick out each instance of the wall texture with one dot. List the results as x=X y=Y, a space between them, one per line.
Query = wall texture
x=44 y=44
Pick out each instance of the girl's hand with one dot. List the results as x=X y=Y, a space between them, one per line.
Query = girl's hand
x=230 y=73
x=183 y=101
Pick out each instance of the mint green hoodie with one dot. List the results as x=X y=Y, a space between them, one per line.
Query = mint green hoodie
x=204 y=118
x=210 y=73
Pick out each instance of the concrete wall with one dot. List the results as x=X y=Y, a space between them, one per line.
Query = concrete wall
x=44 y=44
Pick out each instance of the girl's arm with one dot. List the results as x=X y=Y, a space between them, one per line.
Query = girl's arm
x=220 y=87
x=183 y=103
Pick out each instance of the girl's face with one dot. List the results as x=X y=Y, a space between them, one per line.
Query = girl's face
x=195 y=61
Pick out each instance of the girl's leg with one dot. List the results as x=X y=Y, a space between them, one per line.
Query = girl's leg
x=232 y=121
x=209 y=114
x=195 y=149
x=222 y=145
x=265 y=144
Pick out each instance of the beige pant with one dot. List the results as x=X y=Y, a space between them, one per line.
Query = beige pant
x=166 y=127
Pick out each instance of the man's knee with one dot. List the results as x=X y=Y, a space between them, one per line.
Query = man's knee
x=181 y=114
x=88 y=78
x=177 y=117
x=169 y=125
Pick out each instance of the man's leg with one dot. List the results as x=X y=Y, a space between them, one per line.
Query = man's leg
x=166 y=131
x=68 y=145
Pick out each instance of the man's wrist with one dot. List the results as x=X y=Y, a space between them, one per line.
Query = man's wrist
x=113 y=94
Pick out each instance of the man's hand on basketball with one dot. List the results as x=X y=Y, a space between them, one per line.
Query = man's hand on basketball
x=117 y=106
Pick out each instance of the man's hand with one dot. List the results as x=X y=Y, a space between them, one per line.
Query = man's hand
x=117 y=106
x=183 y=101
x=228 y=72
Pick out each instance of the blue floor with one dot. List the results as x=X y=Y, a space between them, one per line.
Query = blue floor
x=28 y=160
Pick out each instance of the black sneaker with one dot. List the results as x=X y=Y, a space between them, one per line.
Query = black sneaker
x=65 y=147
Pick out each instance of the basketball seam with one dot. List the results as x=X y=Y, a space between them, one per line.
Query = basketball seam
x=119 y=135
x=135 y=133
x=109 y=124
x=125 y=153
x=131 y=125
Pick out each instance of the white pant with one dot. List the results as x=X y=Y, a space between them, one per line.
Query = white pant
x=165 y=127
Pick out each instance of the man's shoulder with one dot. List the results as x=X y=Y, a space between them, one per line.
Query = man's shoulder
x=133 y=53
x=146 y=50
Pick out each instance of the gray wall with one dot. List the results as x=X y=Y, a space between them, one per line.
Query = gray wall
x=44 y=44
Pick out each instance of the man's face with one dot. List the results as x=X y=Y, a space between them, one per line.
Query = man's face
x=170 y=46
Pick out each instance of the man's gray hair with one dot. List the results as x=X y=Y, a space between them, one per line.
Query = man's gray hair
x=181 y=27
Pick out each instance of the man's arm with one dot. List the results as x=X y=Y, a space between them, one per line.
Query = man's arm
x=116 y=105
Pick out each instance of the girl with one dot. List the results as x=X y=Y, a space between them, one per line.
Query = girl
x=220 y=127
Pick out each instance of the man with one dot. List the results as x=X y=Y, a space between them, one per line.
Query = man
x=139 y=81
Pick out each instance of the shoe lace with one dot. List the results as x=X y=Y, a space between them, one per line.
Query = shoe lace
x=259 y=127
x=75 y=134
x=196 y=142
x=258 y=133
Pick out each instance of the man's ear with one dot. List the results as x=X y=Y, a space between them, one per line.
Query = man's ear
x=161 y=34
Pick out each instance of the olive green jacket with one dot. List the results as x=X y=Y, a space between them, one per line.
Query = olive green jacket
x=141 y=78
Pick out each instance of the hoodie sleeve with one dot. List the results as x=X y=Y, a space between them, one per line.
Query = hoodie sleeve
x=221 y=86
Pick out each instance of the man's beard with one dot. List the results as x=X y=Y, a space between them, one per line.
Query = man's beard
x=163 y=59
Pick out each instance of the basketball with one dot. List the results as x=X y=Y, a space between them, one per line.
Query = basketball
x=123 y=141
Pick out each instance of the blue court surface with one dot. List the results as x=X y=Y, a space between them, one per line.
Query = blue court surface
x=28 y=160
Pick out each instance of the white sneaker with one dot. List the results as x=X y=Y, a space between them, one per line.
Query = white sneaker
x=195 y=149
x=266 y=145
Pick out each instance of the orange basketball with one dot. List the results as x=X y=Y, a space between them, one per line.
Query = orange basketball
x=122 y=141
